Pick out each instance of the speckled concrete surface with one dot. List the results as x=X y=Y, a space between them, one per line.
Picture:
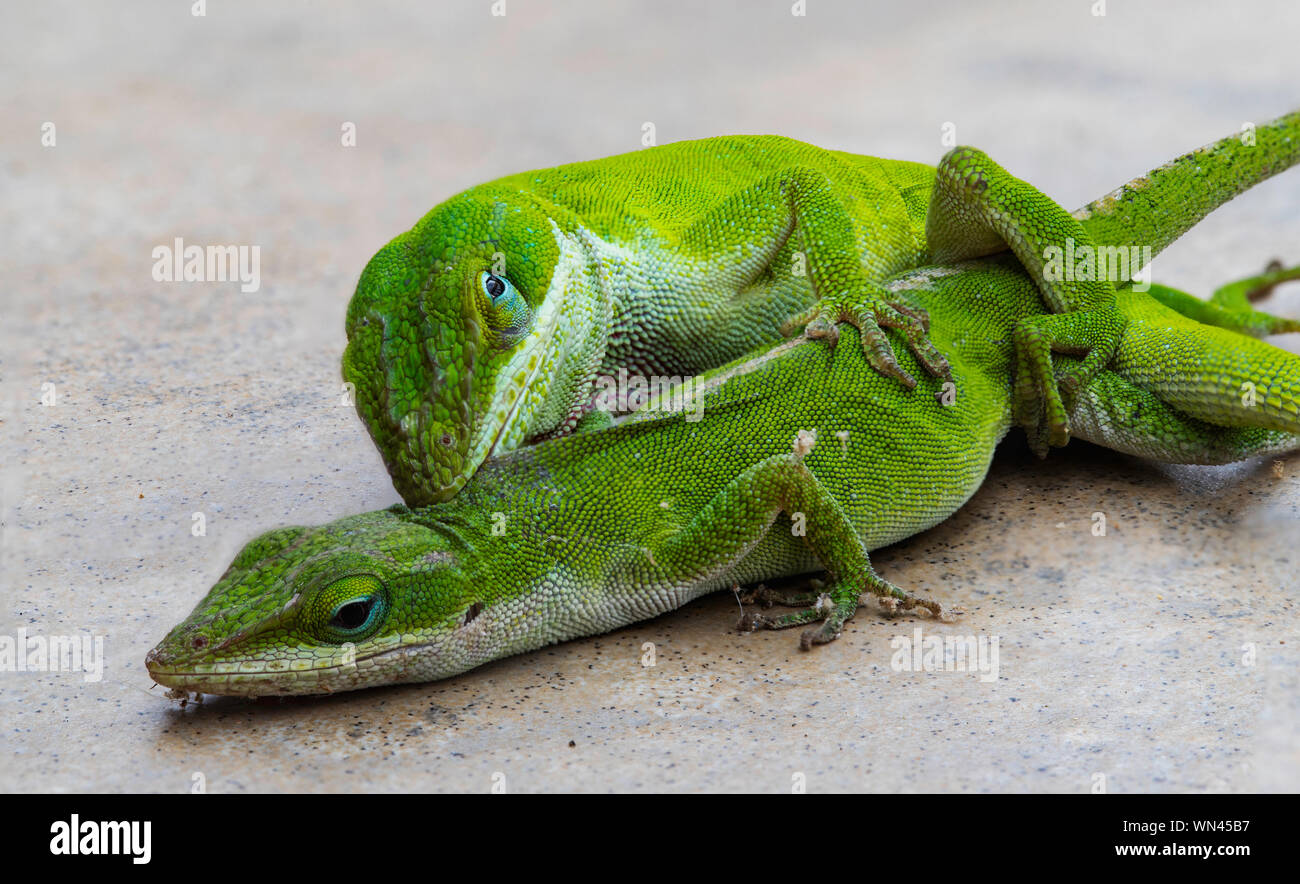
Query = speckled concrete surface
x=1163 y=656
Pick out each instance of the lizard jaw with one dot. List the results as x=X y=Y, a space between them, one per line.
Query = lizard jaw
x=565 y=350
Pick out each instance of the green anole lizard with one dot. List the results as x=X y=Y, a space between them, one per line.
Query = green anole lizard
x=583 y=534
x=806 y=457
x=489 y=322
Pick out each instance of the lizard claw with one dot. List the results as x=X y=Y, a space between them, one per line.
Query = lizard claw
x=829 y=608
x=871 y=316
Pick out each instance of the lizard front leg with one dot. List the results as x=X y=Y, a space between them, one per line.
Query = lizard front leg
x=801 y=207
x=977 y=209
x=842 y=287
x=740 y=515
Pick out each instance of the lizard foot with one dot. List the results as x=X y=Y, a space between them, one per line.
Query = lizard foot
x=765 y=597
x=1041 y=400
x=870 y=316
x=832 y=608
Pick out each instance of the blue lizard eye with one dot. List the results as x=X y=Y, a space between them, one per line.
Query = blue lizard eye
x=511 y=315
x=495 y=286
x=499 y=289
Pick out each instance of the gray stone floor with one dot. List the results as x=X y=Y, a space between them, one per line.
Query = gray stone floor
x=1162 y=657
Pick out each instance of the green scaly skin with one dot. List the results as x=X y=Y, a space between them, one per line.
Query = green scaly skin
x=587 y=533
x=488 y=323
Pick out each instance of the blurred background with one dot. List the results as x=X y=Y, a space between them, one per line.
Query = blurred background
x=128 y=125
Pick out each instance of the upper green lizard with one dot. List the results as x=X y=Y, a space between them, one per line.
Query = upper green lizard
x=586 y=533
x=487 y=323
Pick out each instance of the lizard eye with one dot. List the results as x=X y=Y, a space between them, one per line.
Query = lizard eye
x=353 y=615
x=350 y=609
x=507 y=311
x=495 y=286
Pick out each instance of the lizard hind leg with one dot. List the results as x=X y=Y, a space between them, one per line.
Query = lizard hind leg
x=739 y=515
x=1240 y=293
x=1043 y=396
x=977 y=209
x=1212 y=374
x=1115 y=413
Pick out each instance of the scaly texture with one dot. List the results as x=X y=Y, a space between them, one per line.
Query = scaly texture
x=489 y=322
x=633 y=517
x=590 y=532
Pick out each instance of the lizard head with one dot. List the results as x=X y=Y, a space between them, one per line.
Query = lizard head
x=479 y=328
x=377 y=598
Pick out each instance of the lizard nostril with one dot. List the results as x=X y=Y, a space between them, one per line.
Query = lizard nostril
x=199 y=643
x=446 y=440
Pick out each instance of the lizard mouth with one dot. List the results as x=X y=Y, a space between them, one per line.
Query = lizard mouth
x=545 y=356
x=233 y=680
x=508 y=420
x=439 y=472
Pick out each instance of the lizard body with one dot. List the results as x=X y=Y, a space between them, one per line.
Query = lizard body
x=589 y=532
x=668 y=261
x=594 y=530
x=488 y=323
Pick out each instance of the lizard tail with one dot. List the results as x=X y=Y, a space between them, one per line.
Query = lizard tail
x=1156 y=208
x=1213 y=374
x=1115 y=413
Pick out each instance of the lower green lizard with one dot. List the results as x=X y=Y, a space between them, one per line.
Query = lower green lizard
x=806 y=456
